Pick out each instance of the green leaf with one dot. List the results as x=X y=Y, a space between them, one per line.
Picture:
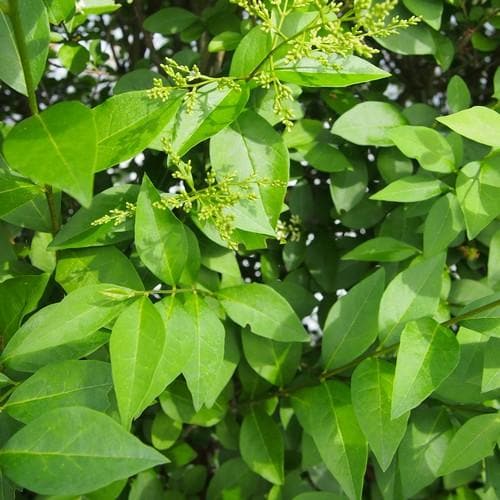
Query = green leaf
x=427 y=355
x=225 y=41
x=14 y=192
x=74 y=57
x=251 y=52
x=422 y=450
x=91 y=448
x=251 y=147
x=416 y=187
x=276 y=362
x=266 y=312
x=137 y=347
x=261 y=445
x=214 y=109
x=371 y=387
x=393 y=165
x=348 y=188
x=478 y=123
x=369 y=123
x=233 y=477
x=382 y=249
x=79 y=232
x=426 y=145
x=56 y=147
x=59 y=10
x=477 y=192
x=19 y=296
x=160 y=237
x=429 y=10
x=68 y=383
x=491 y=371
x=128 y=123
x=487 y=320
x=34 y=25
x=494 y=262
x=164 y=431
x=474 y=441
x=412 y=40
x=412 y=294
x=463 y=386
x=65 y=330
x=177 y=403
x=442 y=225
x=337 y=72
x=352 y=323
x=179 y=337
x=90 y=266
x=457 y=94
x=208 y=350
x=169 y=21
x=326 y=413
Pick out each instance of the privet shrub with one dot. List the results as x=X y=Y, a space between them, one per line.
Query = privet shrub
x=250 y=249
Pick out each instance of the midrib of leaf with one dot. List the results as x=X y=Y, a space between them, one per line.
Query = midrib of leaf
x=402 y=317
x=16 y=50
x=428 y=349
x=264 y=444
x=341 y=438
x=58 y=151
x=484 y=430
x=55 y=395
x=133 y=369
x=348 y=330
x=48 y=331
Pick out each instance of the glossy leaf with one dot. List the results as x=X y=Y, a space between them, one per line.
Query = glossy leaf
x=326 y=413
x=423 y=448
x=170 y=21
x=136 y=348
x=426 y=145
x=442 y=225
x=14 y=192
x=276 y=362
x=259 y=152
x=352 y=323
x=68 y=383
x=91 y=266
x=66 y=330
x=80 y=231
x=215 y=108
x=261 y=445
x=208 y=349
x=128 y=123
x=160 y=237
x=266 y=312
x=91 y=448
x=19 y=296
x=57 y=147
x=371 y=388
x=428 y=354
x=474 y=441
x=412 y=294
x=491 y=372
x=369 y=123
x=382 y=249
x=477 y=187
x=34 y=24
x=417 y=187
x=339 y=72
x=478 y=123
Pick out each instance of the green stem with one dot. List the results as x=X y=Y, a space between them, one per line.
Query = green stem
x=471 y=313
x=15 y=17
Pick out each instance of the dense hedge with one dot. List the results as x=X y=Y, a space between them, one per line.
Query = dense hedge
x=250 y=249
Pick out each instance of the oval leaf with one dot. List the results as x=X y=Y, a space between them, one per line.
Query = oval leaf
x=90 y=447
